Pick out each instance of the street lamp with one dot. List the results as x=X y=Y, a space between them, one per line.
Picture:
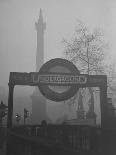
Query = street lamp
x=18 y=118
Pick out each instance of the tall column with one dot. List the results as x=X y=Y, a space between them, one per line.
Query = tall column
x=40 y=27
x=38 y=100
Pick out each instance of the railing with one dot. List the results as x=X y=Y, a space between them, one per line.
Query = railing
x=67 y=137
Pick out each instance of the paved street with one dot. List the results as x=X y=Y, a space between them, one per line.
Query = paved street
x=2 y=152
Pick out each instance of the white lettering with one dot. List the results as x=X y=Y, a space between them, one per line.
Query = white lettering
x=59 y=79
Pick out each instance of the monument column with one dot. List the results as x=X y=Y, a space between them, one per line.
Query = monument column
x=40 y=27
x=38 y=100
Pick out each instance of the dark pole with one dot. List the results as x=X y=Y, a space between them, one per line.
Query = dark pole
x=106 y=139
x=103 y=103
x=10 y=106
x=9 y=117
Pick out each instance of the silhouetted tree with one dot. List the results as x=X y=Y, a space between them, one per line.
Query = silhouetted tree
x=87 y=51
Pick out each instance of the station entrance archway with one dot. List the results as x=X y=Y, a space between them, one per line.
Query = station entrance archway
x=46 y=77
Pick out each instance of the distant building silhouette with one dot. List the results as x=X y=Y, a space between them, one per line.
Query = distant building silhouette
x=111 y=109
x=91 y=113
x=80 y=108
x=38 y=101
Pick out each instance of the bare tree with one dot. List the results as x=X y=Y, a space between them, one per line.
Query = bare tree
x=87 y=51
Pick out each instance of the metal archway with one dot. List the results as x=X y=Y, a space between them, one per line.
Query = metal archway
x=80 y=80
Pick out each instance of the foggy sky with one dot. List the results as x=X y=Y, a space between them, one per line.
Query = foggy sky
x=18 y=34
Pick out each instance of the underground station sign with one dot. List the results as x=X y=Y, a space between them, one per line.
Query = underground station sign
x=58 y=79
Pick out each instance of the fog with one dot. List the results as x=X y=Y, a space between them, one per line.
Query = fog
x=18 y=34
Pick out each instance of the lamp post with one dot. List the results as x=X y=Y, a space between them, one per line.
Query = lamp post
x=18 y=118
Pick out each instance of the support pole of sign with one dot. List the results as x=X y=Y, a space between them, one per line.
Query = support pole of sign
x=103 y=102
x=10 y=106
x=104 y=120
x=9 y=119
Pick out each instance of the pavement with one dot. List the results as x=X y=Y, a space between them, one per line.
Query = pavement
x=3 y=149
x=2 y=152
x=3 y=141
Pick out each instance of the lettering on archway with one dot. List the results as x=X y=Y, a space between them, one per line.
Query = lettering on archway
x=59 y=73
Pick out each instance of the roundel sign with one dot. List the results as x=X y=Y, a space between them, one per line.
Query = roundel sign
x=57 y=79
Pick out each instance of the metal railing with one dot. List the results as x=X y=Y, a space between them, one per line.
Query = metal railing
x=66 y=137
